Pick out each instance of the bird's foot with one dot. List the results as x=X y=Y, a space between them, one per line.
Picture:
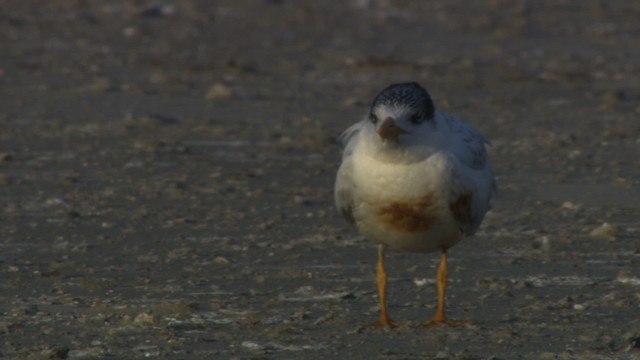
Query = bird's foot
x=437 y=321
x=381 y=324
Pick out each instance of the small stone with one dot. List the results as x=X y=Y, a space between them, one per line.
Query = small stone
x=87 y=353
x=606 y=231
x=627 y=279
x=568 y=205
x=251 y=345
x=221 y=260
x=586 y=338
x=55 y=202
x=129 y=31
x=574 y=154
x=144 y=319
x=542 y=243
x=420 y=281
x=157 y=11
x=218 y=91
x=148 y=350
x=285 y=140
x=324 y=319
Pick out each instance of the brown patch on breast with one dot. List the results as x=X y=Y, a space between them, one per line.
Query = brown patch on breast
x=409 y=216
x=461 y=210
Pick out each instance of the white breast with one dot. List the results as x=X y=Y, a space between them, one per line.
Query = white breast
x=382 y=181
x=404 y=205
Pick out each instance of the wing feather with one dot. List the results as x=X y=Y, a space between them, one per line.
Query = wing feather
x=343 y=191
x=472 y=176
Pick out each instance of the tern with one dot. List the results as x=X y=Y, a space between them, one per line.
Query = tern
x=413 y=178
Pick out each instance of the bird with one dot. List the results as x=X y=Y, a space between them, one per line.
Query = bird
x=413 y=178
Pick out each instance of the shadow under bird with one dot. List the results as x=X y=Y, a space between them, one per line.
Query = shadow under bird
x=413 y=178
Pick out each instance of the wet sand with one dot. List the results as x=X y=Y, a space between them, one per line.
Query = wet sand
x=166 y=177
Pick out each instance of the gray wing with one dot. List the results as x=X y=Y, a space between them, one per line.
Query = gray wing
x=474 y=183
x=470 y=196
x=470 y=145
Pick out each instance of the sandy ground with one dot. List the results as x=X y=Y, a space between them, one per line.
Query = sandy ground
x=166 y=178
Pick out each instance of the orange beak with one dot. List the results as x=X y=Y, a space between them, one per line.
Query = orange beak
x=388 y=130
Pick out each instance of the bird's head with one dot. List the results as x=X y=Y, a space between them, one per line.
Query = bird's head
x=401 y=112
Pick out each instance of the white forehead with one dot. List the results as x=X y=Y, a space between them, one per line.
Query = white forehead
x=395 y=111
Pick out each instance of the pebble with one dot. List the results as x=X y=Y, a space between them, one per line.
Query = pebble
x=158 y=10
x=218 y=91
x=579 y=307
x=542 y=243
x=221 y=260
x=86 y=353
x=420 y=281
x=144 y=319
x=571 y=206
x=251 y=345
x=606 y=231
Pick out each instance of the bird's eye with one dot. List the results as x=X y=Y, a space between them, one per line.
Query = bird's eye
x=416 y=118
x=373 y=118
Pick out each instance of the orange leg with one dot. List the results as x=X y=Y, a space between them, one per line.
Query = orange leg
x=440 y=318
x=381 y=277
